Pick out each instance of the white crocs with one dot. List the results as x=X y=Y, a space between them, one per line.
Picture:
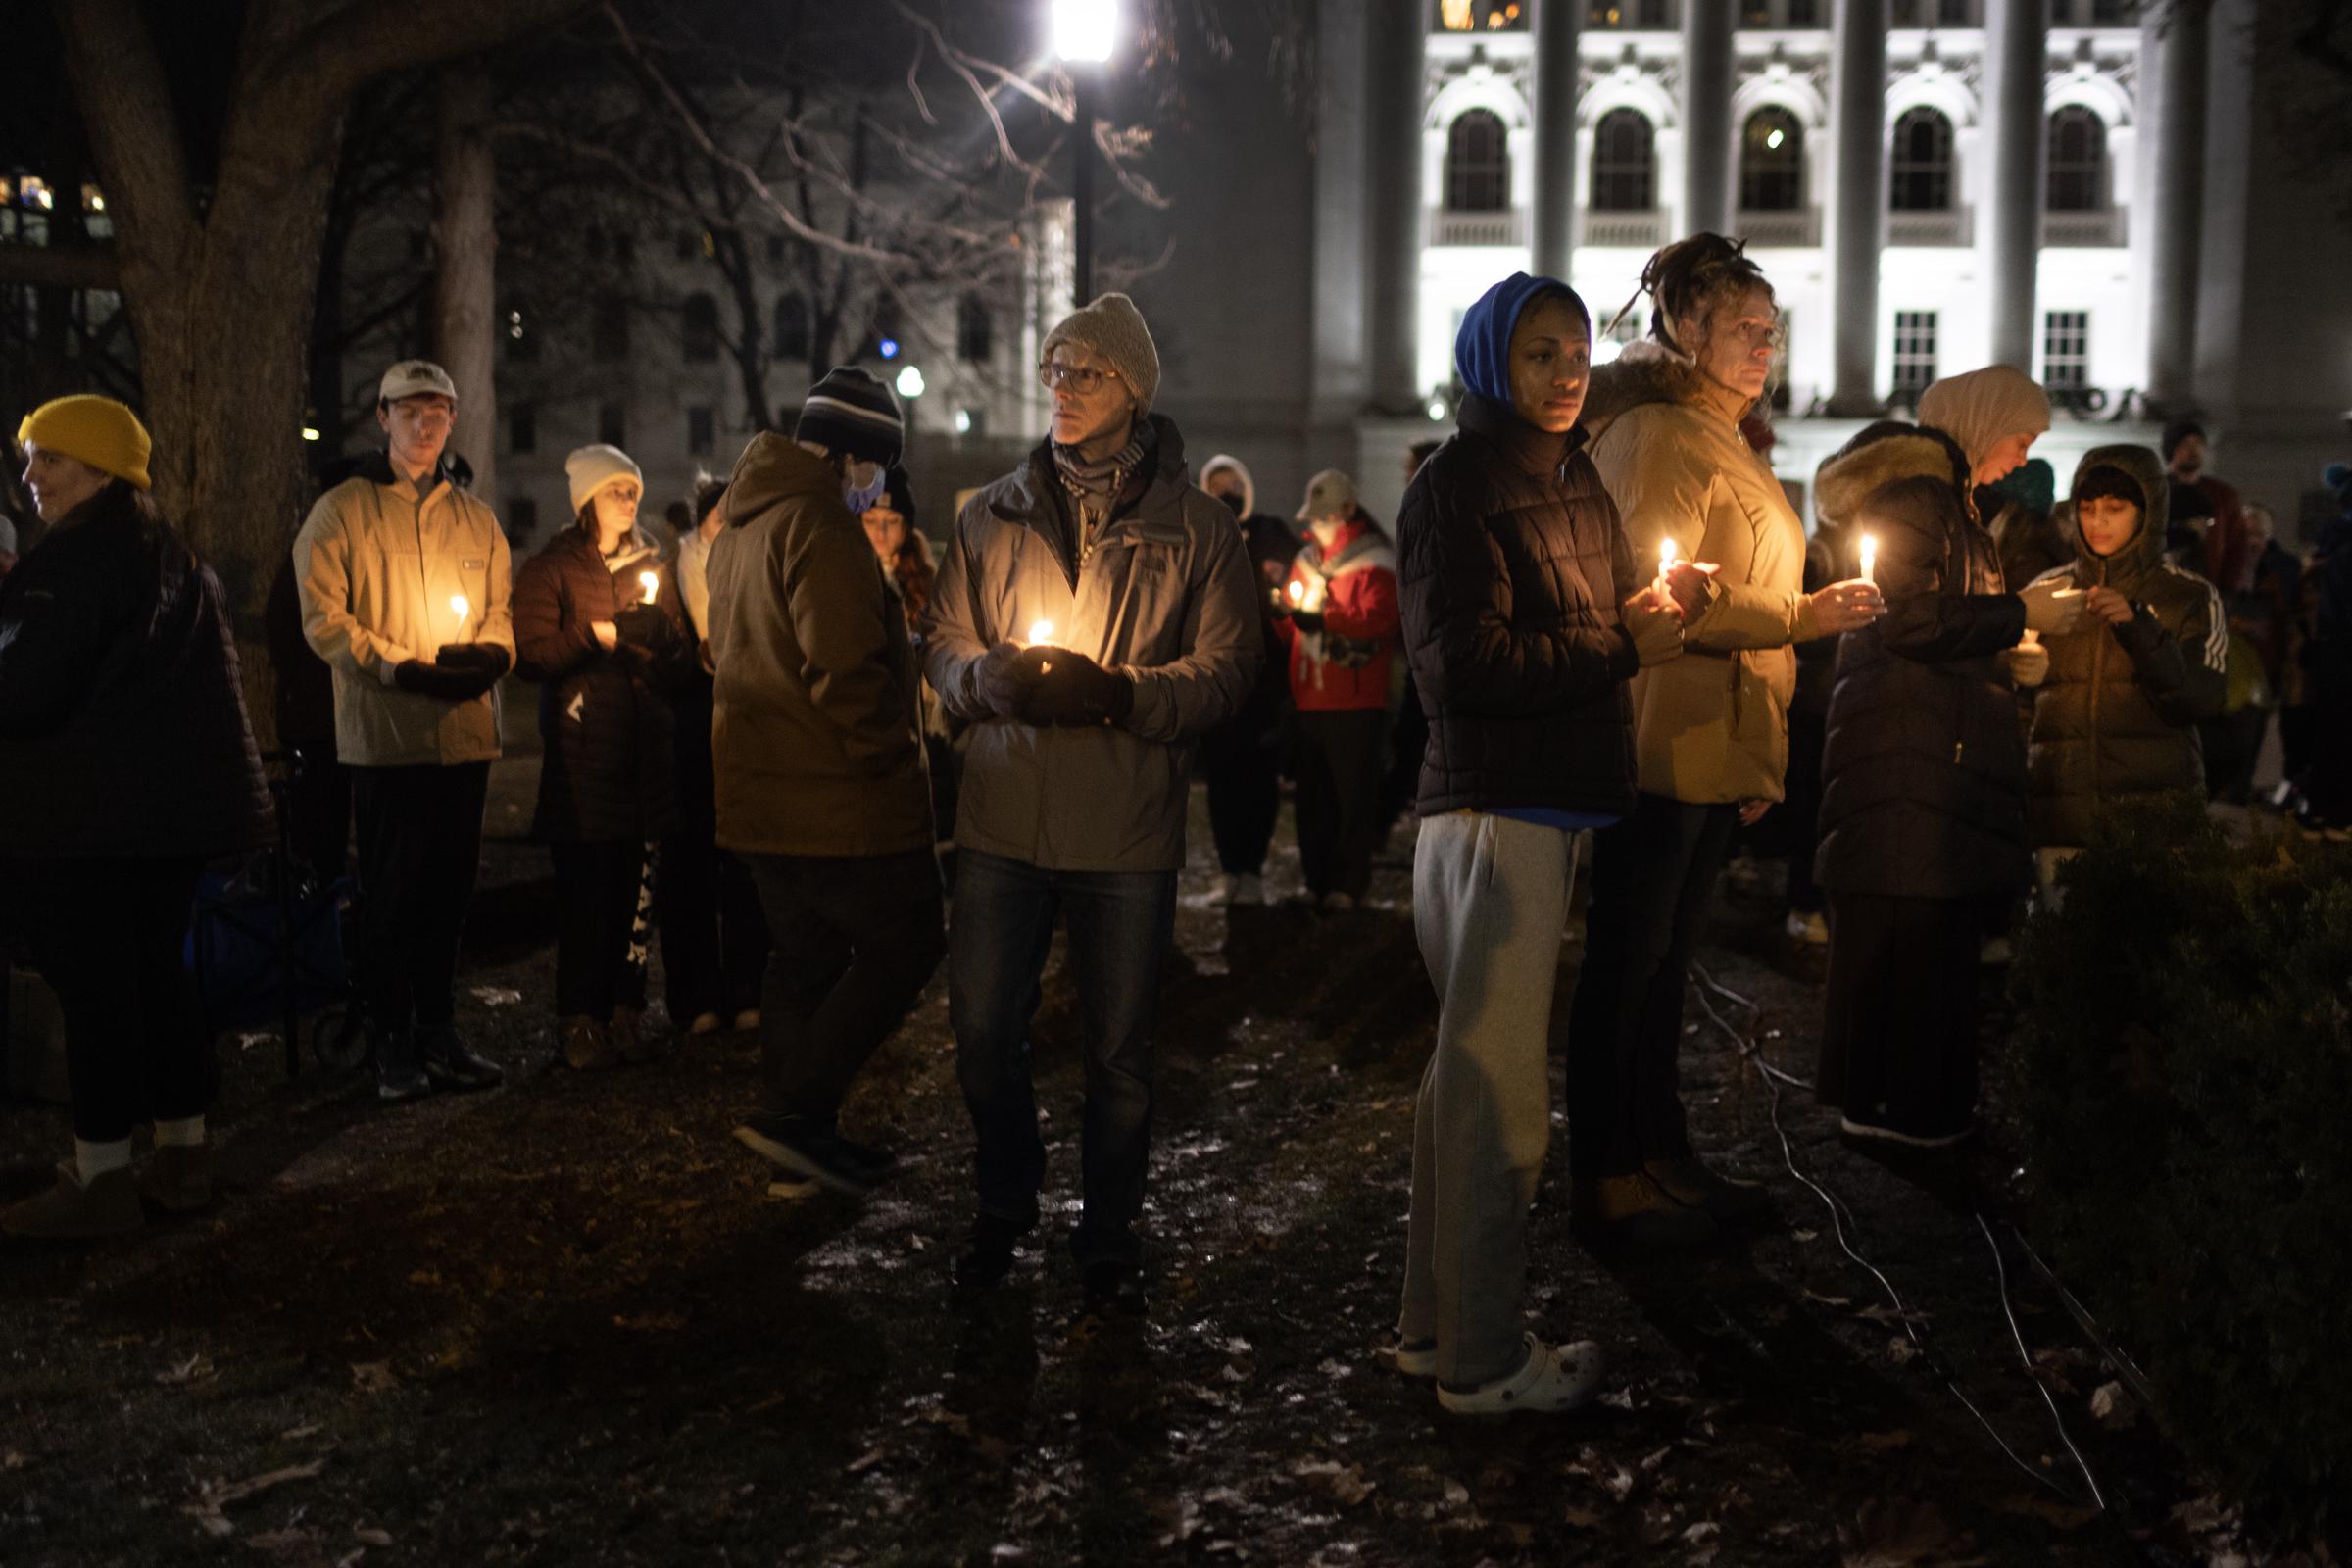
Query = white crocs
x=1553 y=1378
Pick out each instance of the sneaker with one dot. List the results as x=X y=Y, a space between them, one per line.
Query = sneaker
x=1338 y=904
x=1880 y=1133
x=1552 y=1378
x=747 y=1022
x=706 y=1023
x=451 y=1063
x=989 y=1257
x=399 y=1076
x=1634 y=1214
x=586 y=1046
x=1408 y=1357
x=1695 y=1186
x=1811 y=929
x=1249 y=890
x=73 y=1212
x=801 y=1146
x=630 y=1038
x=178 y=1177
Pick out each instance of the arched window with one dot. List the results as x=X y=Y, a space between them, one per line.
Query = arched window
x=699 y=326
x=975 y=330
x=791 y=327
x=1478 y=164
x=1772 y=162
x=2078 y=161
x=1922 y=163
x=1625 y=163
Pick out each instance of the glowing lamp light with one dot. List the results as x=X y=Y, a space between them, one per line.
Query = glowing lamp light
x=1870 y=559
x=1085 y=30
x=651 y=582
x=963 y=421
x=910 y=382
x=309 y=432
x=888 y=348
x=1775 y=139
x=1437 y=409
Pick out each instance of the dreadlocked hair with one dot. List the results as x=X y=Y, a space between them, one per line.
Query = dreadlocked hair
x=1688 y=278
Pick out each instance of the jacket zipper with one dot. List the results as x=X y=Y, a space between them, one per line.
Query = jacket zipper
x=2098 y=679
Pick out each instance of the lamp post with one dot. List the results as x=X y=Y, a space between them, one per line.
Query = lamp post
x=1083 y=33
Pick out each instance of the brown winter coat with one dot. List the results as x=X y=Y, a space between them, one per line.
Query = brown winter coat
x=814 y=702
x=1711 y=726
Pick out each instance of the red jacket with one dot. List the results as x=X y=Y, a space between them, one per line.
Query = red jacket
x=1345 y=666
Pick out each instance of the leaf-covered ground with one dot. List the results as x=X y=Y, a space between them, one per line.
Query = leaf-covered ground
x=566 y=1323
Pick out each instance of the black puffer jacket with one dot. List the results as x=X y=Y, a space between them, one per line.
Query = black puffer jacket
x=1511 y=568
x=605 y=716
x=1924 y=782
x=2118 y=712
x=123 y=726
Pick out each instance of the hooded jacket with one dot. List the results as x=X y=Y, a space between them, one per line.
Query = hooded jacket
x=1344 y=666
x=1271 y=546
x=2116 y=715
x=1924 y=778
x=1165 y=594
x=377 y=564
x=815 y=704
x=1712 y=726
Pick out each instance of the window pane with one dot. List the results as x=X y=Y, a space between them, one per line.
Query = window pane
x=1772 y=155
x=1623 y=163
x=791 y=327
x=2078 y=161
x=701 y=329
x=975 y=331
x=1922 y=163
x=702 y=431
x=522 y=428
x=1914 y=352
x=1477 y=164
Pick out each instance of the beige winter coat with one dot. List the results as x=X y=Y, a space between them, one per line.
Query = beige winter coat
x=377 y=566
x=1712 y=726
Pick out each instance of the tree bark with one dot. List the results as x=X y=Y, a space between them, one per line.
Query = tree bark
x=465 y=284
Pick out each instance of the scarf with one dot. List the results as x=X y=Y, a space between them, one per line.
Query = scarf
x=1093 y=487
x=1983 y=407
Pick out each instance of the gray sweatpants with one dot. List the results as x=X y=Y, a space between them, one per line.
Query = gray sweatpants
x=1489 y=895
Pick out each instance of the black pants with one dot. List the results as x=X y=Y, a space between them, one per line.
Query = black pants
x=713 y=932
x=856 y=940
x=421 y=850
x=1808 y=738
x=1402 y=784
x=318 y=814
x=1242 y=768
x=600 y=957
x=1339 y=797
x=1898 y=1039
x=1653 y=876
x=107 y=935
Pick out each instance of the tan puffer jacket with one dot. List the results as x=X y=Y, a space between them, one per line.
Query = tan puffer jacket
x=1712 y=726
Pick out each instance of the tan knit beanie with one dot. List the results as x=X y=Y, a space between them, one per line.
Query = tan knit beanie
x=1114 y=329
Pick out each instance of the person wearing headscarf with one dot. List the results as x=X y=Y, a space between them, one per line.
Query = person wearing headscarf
x=1673 y=433
x=1923 y=811
x=2022 y=512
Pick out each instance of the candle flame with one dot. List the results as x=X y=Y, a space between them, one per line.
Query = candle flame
x=1665 y=556
x=1870 y=558
x=1297 y=592
x=1040 y=632
x=651 y=582
x=459 y=607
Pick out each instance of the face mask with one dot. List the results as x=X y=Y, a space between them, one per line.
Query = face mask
x=1232 y=500
x=861 y=496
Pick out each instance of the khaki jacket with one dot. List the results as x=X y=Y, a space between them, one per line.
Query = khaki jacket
x=1711 y=727
x=377 y=566
x=814 y=730
x=1166 y=592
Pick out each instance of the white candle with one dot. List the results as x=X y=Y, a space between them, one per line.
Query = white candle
x=651 y=582
x=1870 y=559
x=1040 y=632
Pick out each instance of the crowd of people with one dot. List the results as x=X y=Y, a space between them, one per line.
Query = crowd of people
x=813 y=760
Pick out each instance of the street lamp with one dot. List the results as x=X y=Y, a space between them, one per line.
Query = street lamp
x=1084 y=32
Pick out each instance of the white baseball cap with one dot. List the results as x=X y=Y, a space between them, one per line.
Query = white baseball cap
x=409 y=378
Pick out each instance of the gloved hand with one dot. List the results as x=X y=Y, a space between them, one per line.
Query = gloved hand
x=1307 y=620
x=2053 y=606
x=460 y=672
x=1008 y=677
x=2029 y=663
x=1076 y=693
x=1655 y=626
x=643 y=627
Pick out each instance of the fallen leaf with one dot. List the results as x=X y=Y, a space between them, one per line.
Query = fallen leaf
x=1900 y=1351
x=865 y=1462
x=195 y=1369
x=372 y=1537
x=495 y=996
x=1882 y=1313
x=373 y=1376
x=1804 y=1235
x=2112 y=1408
x=1885 y=1441
x=1698 y=1535
x=1456 y=1495
x=1841 y=1302
x=1903 y=1533
x=1580 y=1518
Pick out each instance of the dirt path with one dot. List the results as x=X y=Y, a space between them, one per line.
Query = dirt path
x=565 y=1323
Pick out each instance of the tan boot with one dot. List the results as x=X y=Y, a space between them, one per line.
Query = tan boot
x=586 y=1044
x=1634 y=1214
x=178 y=1178
x=70 y=1212
x=1696 y=1186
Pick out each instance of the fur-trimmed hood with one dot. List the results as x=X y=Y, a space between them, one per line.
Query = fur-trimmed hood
x=1240 y=470
x=1883 y=454
x=1649 y=371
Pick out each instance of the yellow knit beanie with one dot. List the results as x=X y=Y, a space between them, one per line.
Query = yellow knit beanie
x=99 y=432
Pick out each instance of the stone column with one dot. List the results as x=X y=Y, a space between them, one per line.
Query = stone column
x=1708 y=27
x=1858 y=216
x=2016 y=45
x=1555 y=135
x=1400 y=35
x=2176 y=196
x=1341 y=78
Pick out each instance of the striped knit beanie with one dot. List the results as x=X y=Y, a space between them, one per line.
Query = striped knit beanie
x=850 y=412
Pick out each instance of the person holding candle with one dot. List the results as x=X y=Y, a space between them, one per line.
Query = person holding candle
x=1710 y=729
x=1923 y=813
x=1076 y=775
x=378 y=565
x=591 y=628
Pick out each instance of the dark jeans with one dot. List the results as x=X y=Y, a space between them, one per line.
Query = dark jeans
x=1402 y=785
x=1242 y=768
x=107 y=936
x=713 y=932
x=1808 y=739
x=1653 y=876
x=855 y=939
x=421 y=850
x=1120 y=925
x=318 y=814
x=1339 y=797
x=599 y=964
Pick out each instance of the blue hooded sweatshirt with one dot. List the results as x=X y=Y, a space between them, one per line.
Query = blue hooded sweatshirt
x=1482 y=349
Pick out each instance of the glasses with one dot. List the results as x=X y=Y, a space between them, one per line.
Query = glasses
x=1083 y=380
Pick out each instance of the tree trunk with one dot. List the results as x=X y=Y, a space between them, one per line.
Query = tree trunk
x=465 y=285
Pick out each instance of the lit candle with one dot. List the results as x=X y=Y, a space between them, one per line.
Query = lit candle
x=1665 y=556
x=1870 y=559
x=1297 y=593
x=459 y=607
x=651 y=582
x=1041 y=633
